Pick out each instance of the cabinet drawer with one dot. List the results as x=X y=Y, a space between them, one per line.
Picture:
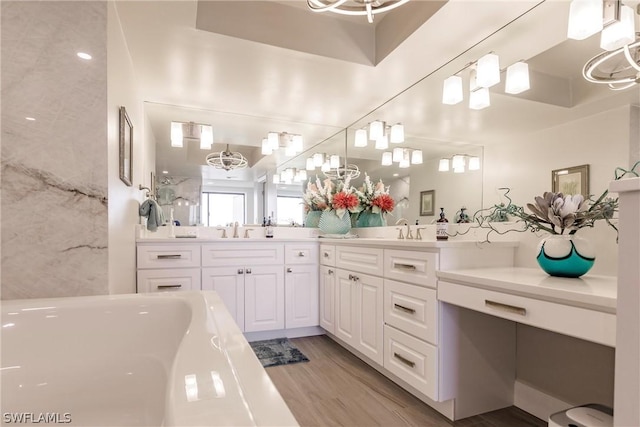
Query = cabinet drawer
x=224 y=254
x=168 y=256
x=301 y=253
x=577 y=322
x=175 y=279
x=411 y=266
x=412 y=309
x=412 y=360
x=328 y=255
x=357 y=258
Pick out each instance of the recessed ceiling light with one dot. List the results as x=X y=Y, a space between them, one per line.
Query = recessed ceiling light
x=83 y=55
x=31 y=119
x=165 y=171
x=396 y=174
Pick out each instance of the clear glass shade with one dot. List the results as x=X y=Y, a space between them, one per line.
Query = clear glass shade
x=488 y=70
x=361 y=138
x=517 y=78
x=479 y=99
x=397 y=133
x=452 y=91
x=585 y=18
x=387 y=158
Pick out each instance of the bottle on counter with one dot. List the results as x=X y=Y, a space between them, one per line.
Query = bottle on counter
x=269 y=230
x=442 y=226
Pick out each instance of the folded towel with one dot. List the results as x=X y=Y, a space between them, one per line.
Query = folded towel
x=153 y=212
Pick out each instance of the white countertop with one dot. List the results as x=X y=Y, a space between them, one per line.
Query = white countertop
x=186 y=240
x=404 y=243
x=591 y=291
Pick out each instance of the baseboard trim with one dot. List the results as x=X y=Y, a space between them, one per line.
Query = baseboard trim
x=536 y=402
x=284 y=333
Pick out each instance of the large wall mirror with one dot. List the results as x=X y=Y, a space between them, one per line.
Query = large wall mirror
x=558 y=94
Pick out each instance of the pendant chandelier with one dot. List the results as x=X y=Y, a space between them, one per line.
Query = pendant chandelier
x=227 y=160
x=366 y=8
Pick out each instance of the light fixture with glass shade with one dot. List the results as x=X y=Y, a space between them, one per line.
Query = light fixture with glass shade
x=360 y=138
x=416 y=157
x=206 y=137
x=443 y=165
x=318 y=159
x=517 y=78
x=176 y=134
x=459 y=163
x=397 y=133
x=326 y=166
x=276 y=178
x=479 y=99
x=585 y=18
x=266 y=147
x=274 y=140
x=621 y=32
x=382 y=143
x=387 y=158
x=334 y=161
x=367 y=8
x=452 y=90
x=488 y=70
x=474 y=163
x=227 y=160
x=376 y=130
x=310 y=166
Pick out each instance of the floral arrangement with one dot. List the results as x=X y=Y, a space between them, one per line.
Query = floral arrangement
x=327 y=194
x=375 y=197
x=554 y=213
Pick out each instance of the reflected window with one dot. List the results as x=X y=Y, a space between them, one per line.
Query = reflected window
x=290 y=210
x=222 y=208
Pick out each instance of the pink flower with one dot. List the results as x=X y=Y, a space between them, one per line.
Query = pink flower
x=384 y=202
x=345 y=201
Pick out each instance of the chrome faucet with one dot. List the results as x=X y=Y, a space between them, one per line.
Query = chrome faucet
x=403 y=221
x=224 y=232
x=246 y=232
x=400 y=235
x=235 y=229
x=418 y=235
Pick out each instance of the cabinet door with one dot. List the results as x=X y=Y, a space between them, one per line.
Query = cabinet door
x=369 y=315
x=327 y=298
x=228 y=282
x=344 y=307
x=301 y=296
x=264 y=298
x=177 y=279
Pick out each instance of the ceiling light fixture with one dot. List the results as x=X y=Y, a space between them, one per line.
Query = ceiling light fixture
x=342 y=172
x=619 y=66
x=366 y=8
x=403 y=156
x=227 y=160
x=361 y=138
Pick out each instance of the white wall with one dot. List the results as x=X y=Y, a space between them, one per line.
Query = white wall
x=572 y=370
x=54 y=169
x=124 y=201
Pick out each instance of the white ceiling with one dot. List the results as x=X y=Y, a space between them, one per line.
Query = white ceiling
x=246 y=88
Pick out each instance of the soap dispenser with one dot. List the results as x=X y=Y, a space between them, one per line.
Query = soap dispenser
x=442 y=226
x=172 y=226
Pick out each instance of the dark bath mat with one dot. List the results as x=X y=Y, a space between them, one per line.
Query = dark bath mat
x=276 y=352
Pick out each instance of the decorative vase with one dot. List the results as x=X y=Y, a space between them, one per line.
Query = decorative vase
x=331 y=223
x=370 y=219
x=313 y=219
x=565 y=255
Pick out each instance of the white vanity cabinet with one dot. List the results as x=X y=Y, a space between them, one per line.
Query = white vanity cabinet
x=301 y=285
x=168 y=267
x=258 y=272
x=327 y=287
x=269 y=287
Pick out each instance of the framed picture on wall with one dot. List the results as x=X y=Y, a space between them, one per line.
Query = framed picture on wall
x=570 y=181
x=427 y=202
x=126 y=147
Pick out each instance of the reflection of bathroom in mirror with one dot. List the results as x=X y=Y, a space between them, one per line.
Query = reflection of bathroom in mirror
x=558 y=95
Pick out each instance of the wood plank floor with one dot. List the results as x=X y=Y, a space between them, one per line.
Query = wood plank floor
x=335 y=388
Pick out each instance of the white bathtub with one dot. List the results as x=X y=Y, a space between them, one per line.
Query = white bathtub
x=172 y=359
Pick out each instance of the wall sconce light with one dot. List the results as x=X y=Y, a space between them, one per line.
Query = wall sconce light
x=376 y=130
x=361 y=138
x=403 y=156
x=488 y=70
x=292 y=143
x=458 y=162
x=484 y=73
x=452 y=90
x=190 y=130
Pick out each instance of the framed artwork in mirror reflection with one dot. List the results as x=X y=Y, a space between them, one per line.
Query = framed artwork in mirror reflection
x=427 y=202
x=126 y=147
x=570 y=181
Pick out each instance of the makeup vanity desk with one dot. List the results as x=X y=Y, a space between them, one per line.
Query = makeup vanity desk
x=583 y=308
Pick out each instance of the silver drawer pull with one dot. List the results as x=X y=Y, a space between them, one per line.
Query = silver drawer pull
x=247 y=270
x=404 y=266
x=240 y=271
x=403 y=308
x=506 y=307
x=404 y=360
x=176 y=256
x=330 y=271
x=169 y=286
x=289 y=270
x=301 y=254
